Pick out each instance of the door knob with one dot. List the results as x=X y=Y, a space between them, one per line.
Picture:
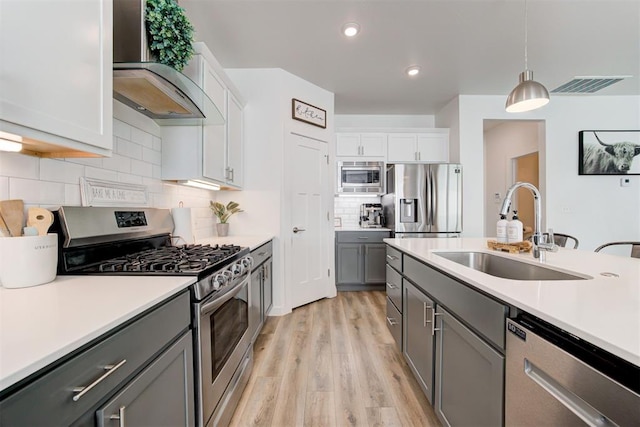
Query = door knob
x=298 y=230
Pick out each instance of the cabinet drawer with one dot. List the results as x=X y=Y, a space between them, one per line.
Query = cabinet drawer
x=394 y=287
x=481 y=313
x=261 y=253
x=361 y=236
x=394 y=323
x=394 y=258
x=136 y=344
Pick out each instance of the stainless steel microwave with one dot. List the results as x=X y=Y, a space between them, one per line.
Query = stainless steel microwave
x=360 y=178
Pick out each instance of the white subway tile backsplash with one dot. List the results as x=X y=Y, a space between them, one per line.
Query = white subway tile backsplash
x=141 y=137
x=129 y=149
x=36 y=192
x=152 y=156
x=87 y=161
x=137 y=159
x=117 y=163
x=103 y=174
x=60 y=171
x=128 y=178
x=121 y=130
x=72 y=195
x=141 y=168
x=19 y=165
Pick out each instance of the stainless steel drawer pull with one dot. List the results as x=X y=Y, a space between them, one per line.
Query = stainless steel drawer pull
x=392 y=321
x=392 y=258
x=392 y=286
x=263 y=253
x=363 y=238
x=433 y=321
x=426 y=308
x=81 y=391
x=119 y=417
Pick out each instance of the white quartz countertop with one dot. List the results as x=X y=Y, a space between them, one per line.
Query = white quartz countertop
x=604 y=311
x=249 y=241
x=41 y=324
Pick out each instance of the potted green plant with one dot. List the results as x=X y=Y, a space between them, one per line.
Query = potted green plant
x=224 y=213
x=169 y=32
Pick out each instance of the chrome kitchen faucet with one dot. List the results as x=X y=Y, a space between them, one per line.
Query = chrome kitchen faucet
x=540 y=244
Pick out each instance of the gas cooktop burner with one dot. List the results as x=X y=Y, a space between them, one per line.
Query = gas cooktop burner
x=187 y=260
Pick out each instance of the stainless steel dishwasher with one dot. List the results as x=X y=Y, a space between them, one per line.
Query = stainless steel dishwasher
x=556 y=379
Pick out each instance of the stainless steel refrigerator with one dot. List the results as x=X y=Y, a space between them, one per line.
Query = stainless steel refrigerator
x=423 y=200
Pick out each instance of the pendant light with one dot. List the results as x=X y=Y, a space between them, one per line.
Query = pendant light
x=529 y=94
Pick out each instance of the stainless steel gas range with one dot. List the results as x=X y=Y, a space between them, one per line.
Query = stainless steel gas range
x=137 y=241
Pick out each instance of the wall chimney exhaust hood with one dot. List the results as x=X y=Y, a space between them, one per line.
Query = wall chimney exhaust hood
x=153 y=89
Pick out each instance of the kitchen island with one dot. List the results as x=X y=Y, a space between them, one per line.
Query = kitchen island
x=603 y=310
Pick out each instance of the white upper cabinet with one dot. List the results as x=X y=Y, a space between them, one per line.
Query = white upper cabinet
x=210 y=153
x=56 y=75
x=361 y=145
x=423 y=147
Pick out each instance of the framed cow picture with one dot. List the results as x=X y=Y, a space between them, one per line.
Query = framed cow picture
x=609 y=152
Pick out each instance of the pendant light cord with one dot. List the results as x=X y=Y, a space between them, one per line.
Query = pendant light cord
x=526 y=38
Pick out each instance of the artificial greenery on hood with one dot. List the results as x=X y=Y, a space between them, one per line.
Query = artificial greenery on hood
x=169 y=32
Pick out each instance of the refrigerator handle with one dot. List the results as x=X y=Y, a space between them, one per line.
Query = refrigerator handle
x=429 y=197
x=432 y=199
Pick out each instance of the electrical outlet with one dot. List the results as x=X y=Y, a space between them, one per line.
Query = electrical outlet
x=497 y=198
x=625 y=182
x=565 y=209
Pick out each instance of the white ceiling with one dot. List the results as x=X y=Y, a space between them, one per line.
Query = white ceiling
x=473 y=47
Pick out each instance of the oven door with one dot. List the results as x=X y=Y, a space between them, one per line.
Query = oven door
x=223 y=339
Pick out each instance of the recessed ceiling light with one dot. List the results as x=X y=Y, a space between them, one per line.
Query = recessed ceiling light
x=414 y=70
x=350 y=29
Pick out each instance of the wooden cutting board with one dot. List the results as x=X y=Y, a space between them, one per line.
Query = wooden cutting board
x=12 y=212
x=41 y=219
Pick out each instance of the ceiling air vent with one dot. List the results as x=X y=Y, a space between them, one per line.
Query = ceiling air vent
x=588 y=84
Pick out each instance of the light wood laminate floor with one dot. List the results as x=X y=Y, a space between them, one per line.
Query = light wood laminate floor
x=332 y=363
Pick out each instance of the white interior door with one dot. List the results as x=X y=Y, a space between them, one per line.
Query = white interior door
x=307 y=257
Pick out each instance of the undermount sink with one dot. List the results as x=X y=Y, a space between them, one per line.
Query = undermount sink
x=507 y=268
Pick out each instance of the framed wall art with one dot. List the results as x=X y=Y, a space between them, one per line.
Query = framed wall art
x=308 y=113
x=609 y=152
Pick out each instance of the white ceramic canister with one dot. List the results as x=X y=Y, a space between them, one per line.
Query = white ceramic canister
x=28 y=260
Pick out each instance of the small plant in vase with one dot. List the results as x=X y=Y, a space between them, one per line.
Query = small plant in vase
x=224 y=213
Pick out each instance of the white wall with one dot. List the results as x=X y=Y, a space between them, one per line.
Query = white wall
x=265 y=199
x=449 y=117
x=595 y=206
x=503 y=143
x=375 y=121
x=51 y=183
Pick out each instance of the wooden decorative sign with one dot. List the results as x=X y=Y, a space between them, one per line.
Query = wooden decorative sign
x=308 y=113
x=95 y=192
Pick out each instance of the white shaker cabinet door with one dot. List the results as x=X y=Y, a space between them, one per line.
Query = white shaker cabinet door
x=213 y=136
x=56 y=71
x=347 y=144
x=373 y=144
x=234 y=142
x=433 y=147
x=401 y=147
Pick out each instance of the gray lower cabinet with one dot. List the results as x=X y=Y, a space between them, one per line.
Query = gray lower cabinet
x=418 y=334
x=469 y=376
x=147 y=363
x=360 y=260
x=169 y=379
x=261 y=288
x=453 y=341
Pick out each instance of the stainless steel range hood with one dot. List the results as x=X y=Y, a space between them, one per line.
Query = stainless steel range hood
x=153 y=89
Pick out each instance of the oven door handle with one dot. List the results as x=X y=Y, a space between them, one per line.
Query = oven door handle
x=217 y=302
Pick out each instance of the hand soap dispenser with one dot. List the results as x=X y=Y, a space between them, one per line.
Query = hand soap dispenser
x=501 y=229
x=514 y=229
